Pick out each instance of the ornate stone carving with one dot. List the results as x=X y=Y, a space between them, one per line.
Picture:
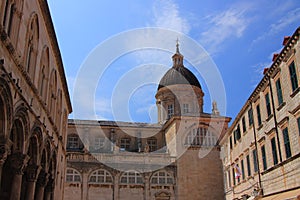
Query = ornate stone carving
x=18 y=162
x=31 y=172
x=42 y=178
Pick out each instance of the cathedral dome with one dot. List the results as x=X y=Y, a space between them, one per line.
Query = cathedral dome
x=178 y=74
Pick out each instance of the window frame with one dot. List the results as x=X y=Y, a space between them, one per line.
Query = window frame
x=279 y=92
x=105 y=178
x=255 y=162
x=293 y=76
x=268 y=104
x=72 y=143
x=258 y=112
x=170 y=111
x=274 y=151
x=162 y=178
x=286 y=142
x=131 y=178
x=264 y=157
x=74 y=175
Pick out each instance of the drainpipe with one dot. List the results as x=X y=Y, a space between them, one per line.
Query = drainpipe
x=255 y=142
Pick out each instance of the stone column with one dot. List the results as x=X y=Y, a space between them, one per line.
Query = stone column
x=17 y=163
x=4 y=152
x=116 y=186
x=40 y=185
x=85 y=183
x=49 y=189
x=31 y=171
x=147 y=187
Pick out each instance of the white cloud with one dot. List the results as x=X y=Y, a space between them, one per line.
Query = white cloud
x=166 y=15
x=227 y=24
x=286 y=20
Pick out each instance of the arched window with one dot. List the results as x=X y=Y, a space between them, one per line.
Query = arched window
x=9 y=14
x=52 y=93
x=200 y=137
x=131 y=178
x=162 y=178
x=32 y=46
x=44 y=74
x=101 y=176
x=58 y=109
x=72 y=175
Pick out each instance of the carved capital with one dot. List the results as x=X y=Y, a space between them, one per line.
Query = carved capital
x=31 y=172
x=4 y=150
x=18 y=162
x=50 y=185
x=42 y=178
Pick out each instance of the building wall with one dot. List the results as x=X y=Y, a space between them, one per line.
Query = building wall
x=271 y=176
x=34 y=103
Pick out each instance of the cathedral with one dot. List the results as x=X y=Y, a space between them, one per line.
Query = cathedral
x=187 y=154
x=176 y=158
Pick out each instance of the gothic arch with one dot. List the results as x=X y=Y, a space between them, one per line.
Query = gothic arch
x=6 y=108
x=44 y=74
x=11 y=18
x=31 y=47
x=52 y=93
x=34 y=145
x=58 y=109
x=20 y=129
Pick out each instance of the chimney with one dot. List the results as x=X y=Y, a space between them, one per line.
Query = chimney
x=265 y=70
x=275 y=55
x=285 y=40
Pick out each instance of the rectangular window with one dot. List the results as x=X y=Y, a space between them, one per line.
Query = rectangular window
x=244 y=124
x=258 y=115
x=233 y=176
x=229 y=178
x=99 y=143
x=255 y=164
x=73 y=142
x=274 y=151
x=263 y=156
x=250 y=116
x=152 y=143
x=286 y=140
x=293 y=76
x=170 y=111
x=279 y=92
x=298 y=121
x=230 y=142
x=234 y=136
x=185 y=108
x=238 y=132
x=248 y=165
x=125 y=144
x=243 y=169
x=268 y=105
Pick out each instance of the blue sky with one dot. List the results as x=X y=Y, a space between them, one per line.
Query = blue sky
x=239 y=36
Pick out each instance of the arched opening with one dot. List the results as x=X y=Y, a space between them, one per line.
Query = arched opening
x=44 y=74
x=2 y=118
x=32 y=47
x=10 y=167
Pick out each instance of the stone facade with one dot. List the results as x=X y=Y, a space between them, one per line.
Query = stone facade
x=34 y=103
x=263 y=143
x=176 y=159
